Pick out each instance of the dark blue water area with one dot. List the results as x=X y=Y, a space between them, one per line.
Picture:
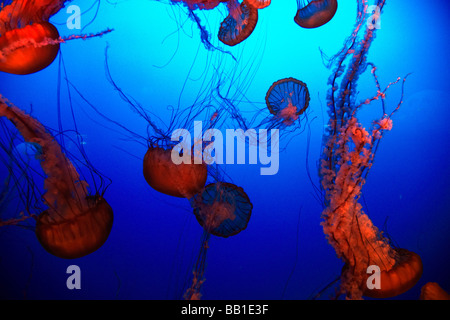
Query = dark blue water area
x=156 y=57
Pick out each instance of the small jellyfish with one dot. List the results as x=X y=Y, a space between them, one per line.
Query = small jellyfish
x=287 y=99
x=222 y=209
x=239 y=24
x=315 y=13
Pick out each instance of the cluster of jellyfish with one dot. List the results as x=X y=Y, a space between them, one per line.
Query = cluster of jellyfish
x=76 y=221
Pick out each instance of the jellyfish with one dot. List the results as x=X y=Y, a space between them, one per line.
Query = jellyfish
x=433 y=291
x=75 y=223
x=287 y=99
x=169 y=166
x=315 y=13
x=239 y=24
x=347 y=156
x=283 y=115
x=182 y=180
x=26 y=36
x=223 y=210
x=28 y=42
x=259 y=4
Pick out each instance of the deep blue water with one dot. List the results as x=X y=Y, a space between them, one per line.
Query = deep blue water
x=155 y=55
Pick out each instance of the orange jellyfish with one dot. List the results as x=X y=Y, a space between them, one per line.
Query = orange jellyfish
x=314 y=13
x=373 y=267
x=182 y=177
x=433 y=291
x=28 y=42
x=287 y=99
x=222 y=209
x=75 y=223
x=239 y=24
x=259 y=4
x=182 y=180
x=27 y=39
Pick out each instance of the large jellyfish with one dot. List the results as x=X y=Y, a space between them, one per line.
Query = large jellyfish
x=259 y=4
x=314 y=13
x=28 y=42
x=172 y=165
x=75 y=223
x=178 y=180
x=347 y=157
x=222 y=209
x=27 y=39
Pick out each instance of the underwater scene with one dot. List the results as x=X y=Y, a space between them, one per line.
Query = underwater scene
x=224 y=150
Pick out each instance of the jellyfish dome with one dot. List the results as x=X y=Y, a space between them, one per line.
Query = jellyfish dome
x=29 y=49
x=83 y=233
x=222 y=209
x=405 y=273
x=259 y=4
x=433 y=291
x=316 y=13
x=287 y=99
x=239 y=24
x=178 y=180
x=28 y=42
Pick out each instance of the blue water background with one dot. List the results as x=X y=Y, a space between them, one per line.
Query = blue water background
x=156 y=238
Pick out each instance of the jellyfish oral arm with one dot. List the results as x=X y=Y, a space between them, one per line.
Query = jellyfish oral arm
x=63 y=183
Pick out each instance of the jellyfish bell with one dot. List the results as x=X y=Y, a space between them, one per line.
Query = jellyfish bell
x=433 y=291
x=315 y=13
x=30 y=49
x=178 y=180
x=239 y=24
x=287 y=99
x=222 y=209
x=259 y=4
x=28 y=42
x=81 y=231
x=403 y=275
